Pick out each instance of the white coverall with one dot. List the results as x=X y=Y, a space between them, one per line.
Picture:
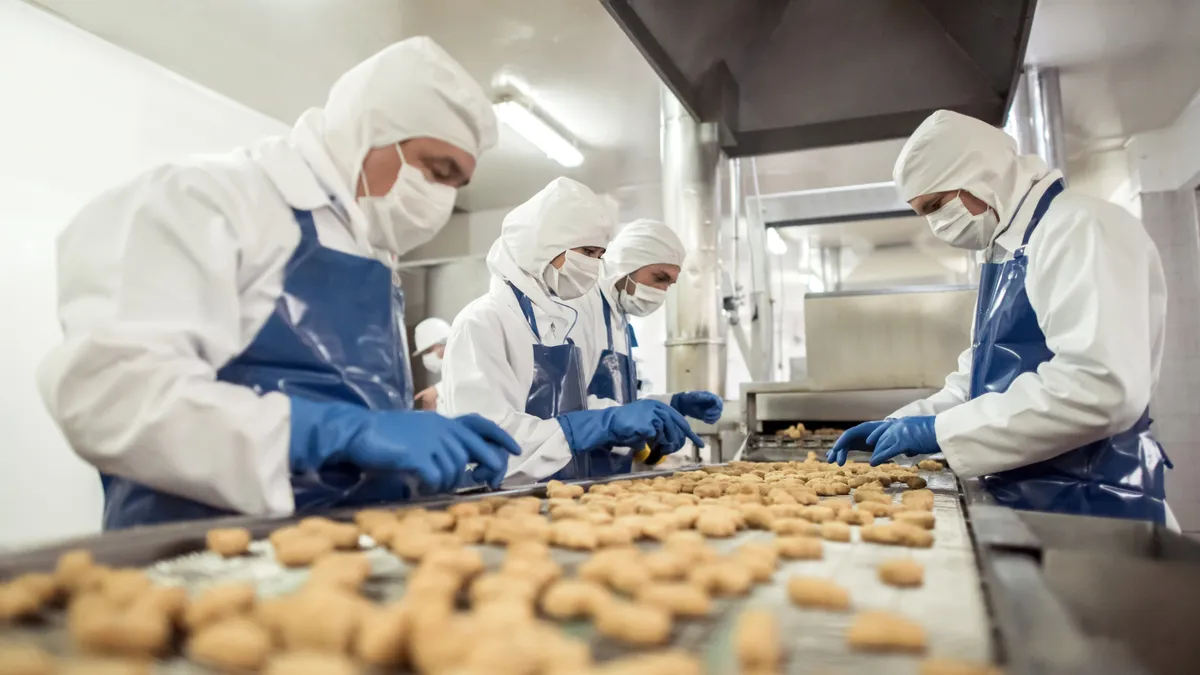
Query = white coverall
x=1094 y=280
x=489 y=361
x=166 y=278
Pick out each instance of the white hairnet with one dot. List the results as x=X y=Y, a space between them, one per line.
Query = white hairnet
x=428 y=333
x=640 y=243
x=950 y=151
x=563 y=215
x=411 y=89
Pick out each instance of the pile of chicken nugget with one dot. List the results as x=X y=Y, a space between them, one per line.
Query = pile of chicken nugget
x=649 y=567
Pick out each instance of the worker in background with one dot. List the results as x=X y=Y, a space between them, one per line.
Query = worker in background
x=641 y=263
x=430 y=337
x=1050 y=405
x=233 y=333
x=512 y=357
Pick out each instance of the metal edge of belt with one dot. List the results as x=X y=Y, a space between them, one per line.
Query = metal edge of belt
x=1036 y=634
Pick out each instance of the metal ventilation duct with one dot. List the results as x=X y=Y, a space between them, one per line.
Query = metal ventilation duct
x=780 y=75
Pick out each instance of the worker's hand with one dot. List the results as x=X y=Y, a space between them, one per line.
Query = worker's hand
x=702 y=405
x=435 y=448
x=910 y=436
x=499 y=441
x=856 y=438
x=630 y=425
x=426 y=399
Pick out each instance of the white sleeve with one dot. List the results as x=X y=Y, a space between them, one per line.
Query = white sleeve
x=148 y=300
x=478 y=378
x=1091 y=297
x=955 y=392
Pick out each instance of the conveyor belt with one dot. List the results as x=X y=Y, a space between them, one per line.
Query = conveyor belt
x=950 y=605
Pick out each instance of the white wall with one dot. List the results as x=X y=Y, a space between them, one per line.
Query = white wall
x=78 y=115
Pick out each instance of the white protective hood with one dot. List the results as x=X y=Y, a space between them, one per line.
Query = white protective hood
x=950 y=151
x=563 y=215
x=411 y=89
x=640 y=243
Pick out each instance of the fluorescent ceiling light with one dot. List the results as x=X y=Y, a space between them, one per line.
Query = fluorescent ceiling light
x=535 y=130
x=775 y=243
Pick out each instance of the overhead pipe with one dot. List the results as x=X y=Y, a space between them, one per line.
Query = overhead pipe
x=1046 y=113
x=695 y=325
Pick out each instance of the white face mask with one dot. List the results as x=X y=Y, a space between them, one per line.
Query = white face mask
x=957 y=226
x=644 y=299
x=575 y=278
x=411 y=213
x=432 y=362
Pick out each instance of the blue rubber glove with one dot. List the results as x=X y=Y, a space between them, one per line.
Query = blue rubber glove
x=910 y=436
x=855 y=438
x=704 y=406
x=435 y=448
x=631 y=425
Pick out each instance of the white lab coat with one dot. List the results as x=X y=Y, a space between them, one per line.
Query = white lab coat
x=162 y=281
x=488 y=369
x=1096 y=283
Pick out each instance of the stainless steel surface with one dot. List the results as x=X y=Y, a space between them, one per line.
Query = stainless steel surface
x=774 y=73
x=762 y=322
x=789 y=402
x=832 y=205
x=887 y=340
x=695 y=323
x=950 y=606
x=1045 y=98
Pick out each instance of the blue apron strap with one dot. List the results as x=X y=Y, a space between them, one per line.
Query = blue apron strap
x=1043 y=205
x=526 y=309
x=308 y=229
x=631 y=336
x=607 y=319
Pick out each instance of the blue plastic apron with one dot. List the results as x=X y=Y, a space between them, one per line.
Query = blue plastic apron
x=1120 y=476
x=337 y=334
x=615 y=378
x=557 y=386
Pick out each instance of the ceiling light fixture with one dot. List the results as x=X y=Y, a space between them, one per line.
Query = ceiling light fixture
x=775 y=243
x=539 y=132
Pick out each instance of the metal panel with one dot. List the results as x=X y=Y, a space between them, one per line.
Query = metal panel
x=887 y=340
x=812 y=73
x=831 y=205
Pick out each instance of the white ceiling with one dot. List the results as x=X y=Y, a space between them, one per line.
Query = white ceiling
x=1128 y=66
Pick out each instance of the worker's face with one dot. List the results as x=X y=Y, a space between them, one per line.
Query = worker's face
x=661 y=276
x=589 y=251
x=439 y=161
x=927 y=204
x=439 y=349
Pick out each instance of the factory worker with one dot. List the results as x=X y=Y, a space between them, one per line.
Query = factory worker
x=512 y=355
x=233 y=335
x=641 y=263
x=430 y=346
x=1050 y=405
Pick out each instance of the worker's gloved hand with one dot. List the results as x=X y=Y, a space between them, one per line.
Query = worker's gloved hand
x=630 y=425
x=855 y=438
x=434 y=448
x=702 y=405
x=910 y=436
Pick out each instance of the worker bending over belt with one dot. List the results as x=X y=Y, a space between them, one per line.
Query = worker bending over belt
x=512 y=357
x=234 y=336
x=641 y=263
x=1050 y=405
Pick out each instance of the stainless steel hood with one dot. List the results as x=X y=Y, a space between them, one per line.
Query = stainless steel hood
x=780 y=75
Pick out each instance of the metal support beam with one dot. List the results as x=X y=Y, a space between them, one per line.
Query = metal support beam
x=695 y=324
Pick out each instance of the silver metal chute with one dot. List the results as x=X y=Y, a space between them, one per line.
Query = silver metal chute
x=695 y=324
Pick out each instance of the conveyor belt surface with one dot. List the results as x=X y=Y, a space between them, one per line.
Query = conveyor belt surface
x=950 y=605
